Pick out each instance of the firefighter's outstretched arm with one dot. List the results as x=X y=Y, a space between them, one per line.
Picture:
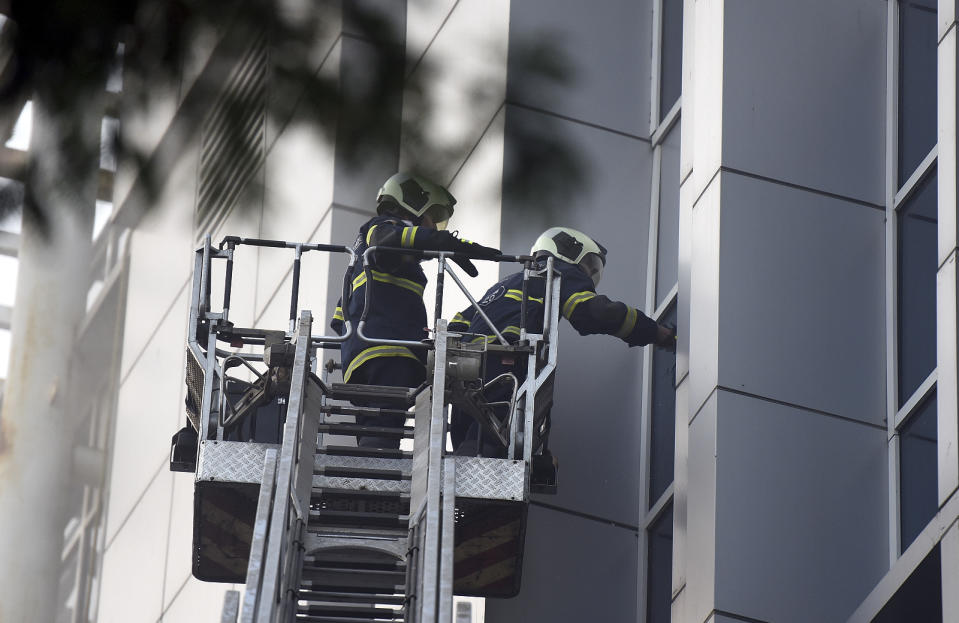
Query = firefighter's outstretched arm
x=598 y=314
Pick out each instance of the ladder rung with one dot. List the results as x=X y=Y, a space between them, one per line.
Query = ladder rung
x=341 y=518
x=327 y=564
x=324 y=619
x=394 y=395
x=340 y=580
x=334 y=471
x=367 y=431
x=368 y=411
x=323 y=483
x=364 y=494
x=357 y=532
x=386 y=453
x=384 y=506
x=344 y=610
x=331 y=596
x=402 y=465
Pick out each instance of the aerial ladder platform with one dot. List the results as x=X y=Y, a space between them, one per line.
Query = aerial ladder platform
x=320 y=530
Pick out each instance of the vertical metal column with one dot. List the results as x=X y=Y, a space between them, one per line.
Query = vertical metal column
x=445 y=605
x=429 y=602
x=279 y=522
x=254 y=573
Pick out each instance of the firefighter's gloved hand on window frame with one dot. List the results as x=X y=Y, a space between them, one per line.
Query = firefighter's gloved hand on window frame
x=666 y=338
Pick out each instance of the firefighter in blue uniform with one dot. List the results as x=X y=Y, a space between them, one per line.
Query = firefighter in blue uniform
x=412 y=213
x=580 y=264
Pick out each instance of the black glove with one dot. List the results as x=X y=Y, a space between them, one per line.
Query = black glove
x=479 y=251
x=666 y=338
x=468 y=267
x=474 y=250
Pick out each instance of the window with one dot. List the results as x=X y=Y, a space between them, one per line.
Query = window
x=917 y=83
x=912 y=221
x=659 y=406
x=916 y=278
x=671 y=59
x=919 y=599
x=659 y=568
x=663 y=417
x=918 y=471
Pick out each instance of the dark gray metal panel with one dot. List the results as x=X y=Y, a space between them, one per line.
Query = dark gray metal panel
x=596 y=427
x=804 y=93
x=801 y=303
x=576 y=570
x=604 y=60
x=800 y=523
x=596 y=417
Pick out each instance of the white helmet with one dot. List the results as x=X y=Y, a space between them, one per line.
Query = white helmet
x=418 y=196
x=574 y=247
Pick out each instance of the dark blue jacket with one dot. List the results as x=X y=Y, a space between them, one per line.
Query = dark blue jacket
x=587 y=311
x=397 y=311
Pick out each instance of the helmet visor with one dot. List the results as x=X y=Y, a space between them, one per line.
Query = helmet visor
x=592 y=265
x=439 y=214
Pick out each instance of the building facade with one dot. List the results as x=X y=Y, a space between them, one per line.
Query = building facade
x=777 y=179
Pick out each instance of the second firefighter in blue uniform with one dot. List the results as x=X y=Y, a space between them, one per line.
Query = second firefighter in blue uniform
x=579 y=261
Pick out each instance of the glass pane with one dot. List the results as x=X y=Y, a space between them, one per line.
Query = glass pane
x=659 y=568
x=919 y=599
x=918 y=471
x=662 y=417
x=667 y=249
x=917 y=84
x=671 y=61
x=917 y=287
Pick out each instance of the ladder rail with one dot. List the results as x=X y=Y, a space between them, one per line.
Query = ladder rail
x=261 y=524
x=277 y=549
x=445 y=605
x=429 y=599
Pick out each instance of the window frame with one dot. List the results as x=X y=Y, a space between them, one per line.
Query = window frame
x=650 y=511
x=895 y=198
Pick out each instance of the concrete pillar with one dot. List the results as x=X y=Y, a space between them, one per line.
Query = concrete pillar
x=947 y=314
x=782 y=280
x=36 y=426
